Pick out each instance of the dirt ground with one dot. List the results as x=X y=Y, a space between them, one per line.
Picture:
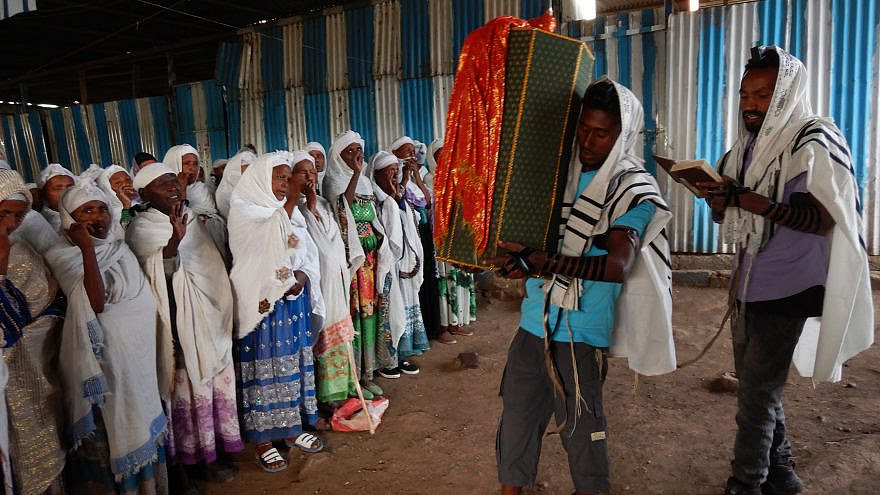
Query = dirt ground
x=668 y=435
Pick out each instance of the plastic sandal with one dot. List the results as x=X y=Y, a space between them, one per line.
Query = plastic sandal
x=269 y=456
x=306 y=442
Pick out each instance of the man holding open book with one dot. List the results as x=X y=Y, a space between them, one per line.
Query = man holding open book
x=789 y=200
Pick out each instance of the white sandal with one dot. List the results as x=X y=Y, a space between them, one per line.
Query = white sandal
x=271 y=456
x=307 y=443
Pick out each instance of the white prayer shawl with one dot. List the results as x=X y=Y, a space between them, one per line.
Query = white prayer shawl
x=262 y=242
x=643 y=320
x=335 y=184
x=200 y=199
x=109 y=359
x=52 y=217
x=336 y=272
x=793 y=141
x=231 y=176
x=305 y=259
x=103 y=181
x=390 y=214
x=202 y=292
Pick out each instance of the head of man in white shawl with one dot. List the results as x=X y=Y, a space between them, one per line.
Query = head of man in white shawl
x=217 y=169
x=404 y=148
x=159 y=187
x=117 y=181
x=53 y=181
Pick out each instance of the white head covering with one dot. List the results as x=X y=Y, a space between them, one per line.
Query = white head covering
x=421 y=152
x=92 y=173
x=300 y=155
x=316 y=146
x=174 y=156
x=5 y=165
x=151 y=173
x=400 y=142
x=431 y=163
x=338 y=173
x=113 y=201
x=76 y=196
x=259 y=237
x=219 y=163
x=231 y=176
x=11 y=185
x=53 y=170
x=380 y=161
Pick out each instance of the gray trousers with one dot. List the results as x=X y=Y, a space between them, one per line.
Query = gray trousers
x=763 y=344
x=529 y=401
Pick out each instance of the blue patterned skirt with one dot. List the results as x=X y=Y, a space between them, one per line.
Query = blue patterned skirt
x=276 y=376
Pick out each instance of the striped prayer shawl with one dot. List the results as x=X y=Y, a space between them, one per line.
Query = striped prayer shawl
x=589 y=217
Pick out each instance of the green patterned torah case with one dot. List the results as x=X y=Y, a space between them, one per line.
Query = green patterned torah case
x=547 y=75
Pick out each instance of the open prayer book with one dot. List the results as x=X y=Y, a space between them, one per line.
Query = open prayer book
x=689 y=172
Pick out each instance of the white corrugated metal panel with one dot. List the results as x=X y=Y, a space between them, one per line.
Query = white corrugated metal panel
x=741 y=33
x=296 y=118
x=200 y=125
x=337 y=52
x=30 y=143
x=293 y=39
x=51 y=144
x=388 y=122
x=682 y=40
x=339 y=121
x=872 y=187
x=70 y=138
x=442 y=92
x=637 y=73
x=498 y=8
x=145 y=124
x=114 y=132
x=251 y=84
x=10 y=8
x=386 y=32
x=440 y=19
x=611 y=48
x=89 y=120
x=818 y=53
x=12 y=142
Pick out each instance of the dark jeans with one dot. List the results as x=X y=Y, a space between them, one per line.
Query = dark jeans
x=529 y=401
x=763 y=344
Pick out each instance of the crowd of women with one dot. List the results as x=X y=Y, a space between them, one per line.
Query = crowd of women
x=156 y=321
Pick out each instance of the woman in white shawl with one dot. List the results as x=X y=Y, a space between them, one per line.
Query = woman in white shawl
x=53 y=181
x=116 y=183
x=107 y=358
x=188 y=278
x=350 y=193
x=334 y=376
x=183 y=159
x=274 y=313
x=31 y=416
x=402 y=331
x=231 y=175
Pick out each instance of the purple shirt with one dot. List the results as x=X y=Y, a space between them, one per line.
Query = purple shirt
x=791 y=261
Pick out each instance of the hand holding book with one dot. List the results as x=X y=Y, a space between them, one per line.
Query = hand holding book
x=689 y=172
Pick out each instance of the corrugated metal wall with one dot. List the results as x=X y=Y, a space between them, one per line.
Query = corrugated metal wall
x=387 y=68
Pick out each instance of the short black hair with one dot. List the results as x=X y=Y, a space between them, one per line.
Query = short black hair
x=602 y=96
x=763 y=58
x=142 y=157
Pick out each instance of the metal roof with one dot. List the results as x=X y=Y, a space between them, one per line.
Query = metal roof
x=118 y=49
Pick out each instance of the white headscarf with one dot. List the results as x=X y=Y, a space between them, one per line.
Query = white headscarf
x=149 y=174
x=92 y=173
x=113 y=201
x=76 y=196
x=53 y=170
x=431 y=163
x=316 y=146
x=380 y=161
x=260 y=237
x=414 y=190
x=231 y=176
x=400 y=142
x=5 y=165
x=338 y=174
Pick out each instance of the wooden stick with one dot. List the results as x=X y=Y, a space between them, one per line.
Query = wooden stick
x=357 y=386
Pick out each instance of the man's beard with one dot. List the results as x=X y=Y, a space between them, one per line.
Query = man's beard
x=753 y=127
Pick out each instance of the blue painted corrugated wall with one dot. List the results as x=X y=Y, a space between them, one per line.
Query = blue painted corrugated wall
x=361 y=98
x=131 y=133
x=314 y=63
x=274 y=109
